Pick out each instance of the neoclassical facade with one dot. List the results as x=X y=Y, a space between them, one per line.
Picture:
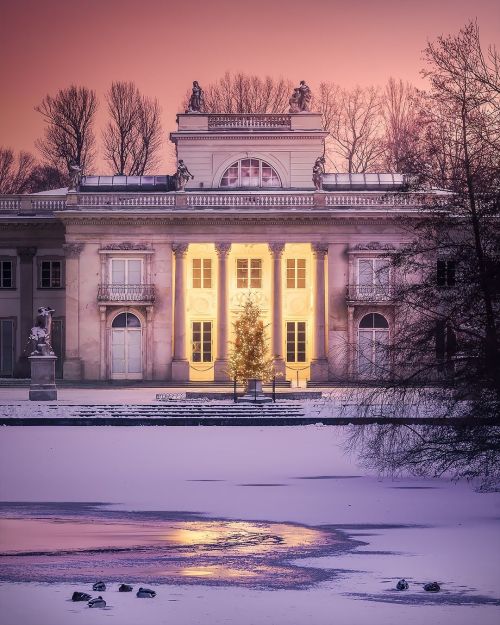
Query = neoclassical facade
x=146 y=280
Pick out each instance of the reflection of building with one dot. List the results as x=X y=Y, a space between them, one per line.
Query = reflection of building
x=146 y=280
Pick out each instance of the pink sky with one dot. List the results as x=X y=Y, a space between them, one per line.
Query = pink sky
x=164 y=45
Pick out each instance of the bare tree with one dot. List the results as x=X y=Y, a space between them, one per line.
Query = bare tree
x=133 y=135
x=69 y=136
x=246 y=93
x=353 y=121
x=45 y=178
x=403 y=117
x=445 y=346
x=15 y=172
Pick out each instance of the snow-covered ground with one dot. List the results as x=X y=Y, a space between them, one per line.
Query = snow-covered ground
x=423 y=530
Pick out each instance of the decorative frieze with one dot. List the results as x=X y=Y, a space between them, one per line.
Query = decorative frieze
x=126 y=245
x=372 y=245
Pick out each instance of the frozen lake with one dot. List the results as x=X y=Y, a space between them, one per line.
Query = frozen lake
x=234 y=525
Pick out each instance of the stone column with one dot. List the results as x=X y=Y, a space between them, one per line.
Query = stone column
x=319 y=363
x=180 y=364
x=72 y=366
x=220 y=365
x=27 y=313
x=103 y=370
x=276 y=250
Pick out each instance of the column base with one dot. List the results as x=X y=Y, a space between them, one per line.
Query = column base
x=180 y=371
x=280 y=369
x=220 y=371
x=73 y=369
x=319 y=370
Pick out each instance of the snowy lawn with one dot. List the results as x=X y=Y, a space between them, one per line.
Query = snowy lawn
x=423 y=530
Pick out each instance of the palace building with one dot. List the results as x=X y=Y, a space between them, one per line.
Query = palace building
x=146 y=280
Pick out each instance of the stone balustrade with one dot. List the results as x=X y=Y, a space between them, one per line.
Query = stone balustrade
x=228 y=121
x=20 y=204
x=138 y=200
x=123 y=293
x=247 y=200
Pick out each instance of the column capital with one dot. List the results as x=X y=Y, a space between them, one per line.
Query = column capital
x=26 y=253
x=73 y=250
x=222 y=249
x=180 y=249
x=319 y=249
x=276 y=248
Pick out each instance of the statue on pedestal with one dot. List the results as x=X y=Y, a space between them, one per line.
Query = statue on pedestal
x=75 y=177
x=41 y=332
x=317 y=173
x=196 y=101
x=182 y=176
x=300 y=100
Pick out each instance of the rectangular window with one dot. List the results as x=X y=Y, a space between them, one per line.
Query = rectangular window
x=249 y=273
x=201 y=341
x=126 y=271
x=373 y=277
x=6 y=346
x=296 y=273
x=446 y=346
x=202 y=273
x=50 y=274
x=445 y=273
x=6 y=274
x=296 y=341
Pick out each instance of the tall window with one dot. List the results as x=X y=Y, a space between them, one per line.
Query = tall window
x=126 y=271
x=6 y=274
x=250 y=172
x=296 y=341
x=202 y=341
x=202 y=273
x=445 y=273
x=249 y=273
x=373 y=276
x=296 y=273
x=6 y=346
x=50 y=274
x=446 y=346
x=373 y=340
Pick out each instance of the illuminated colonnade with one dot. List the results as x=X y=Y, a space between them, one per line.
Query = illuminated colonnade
x=213 y=280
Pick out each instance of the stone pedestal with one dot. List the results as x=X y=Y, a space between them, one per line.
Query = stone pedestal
x=319 y=370
x=180 y=371
x=220 y=371
x=43 y=378
x=254 y=393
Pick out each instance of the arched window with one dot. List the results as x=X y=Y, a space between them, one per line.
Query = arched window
x=250 y=172
x=373 y=340
x=126 y=320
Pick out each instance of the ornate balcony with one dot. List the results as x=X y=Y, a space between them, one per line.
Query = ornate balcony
x=126 y=293
x=369 y=293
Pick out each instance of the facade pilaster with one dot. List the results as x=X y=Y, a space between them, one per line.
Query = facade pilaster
x=220 y=365
x=319 y=363
x=276 y=250
x=180 y=364
x=72 y=366
x=26 y=287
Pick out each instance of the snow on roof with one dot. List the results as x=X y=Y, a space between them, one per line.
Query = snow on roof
x=61 y=191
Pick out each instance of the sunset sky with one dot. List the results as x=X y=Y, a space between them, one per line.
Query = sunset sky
x=163 y=45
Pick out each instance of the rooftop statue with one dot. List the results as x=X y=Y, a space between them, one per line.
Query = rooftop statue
x=317 y=173
x=182 y=176
x=294 y=101
x=75 y=177
x=300 y=101
x=196 y=101
x=41 y=332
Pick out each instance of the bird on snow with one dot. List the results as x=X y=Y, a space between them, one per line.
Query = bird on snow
x=125 y=588
x=146 y=593
x=402 y=585
x=98 y=602
x=432 y=587
x=99 y=586
x=80 y=596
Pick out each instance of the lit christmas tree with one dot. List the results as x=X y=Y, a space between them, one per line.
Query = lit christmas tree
x=249 y=356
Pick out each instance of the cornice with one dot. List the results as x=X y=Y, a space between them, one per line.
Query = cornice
x=249 y=137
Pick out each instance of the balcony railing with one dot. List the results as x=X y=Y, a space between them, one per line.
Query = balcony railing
x=144 y=293
x=370 y=292
x=229 y=121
